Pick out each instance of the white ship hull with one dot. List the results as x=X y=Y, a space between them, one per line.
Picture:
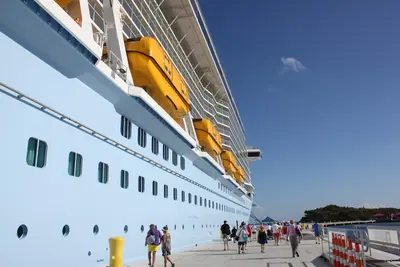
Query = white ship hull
x=47 y=199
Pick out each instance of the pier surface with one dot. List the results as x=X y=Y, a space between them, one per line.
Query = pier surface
x=212 y=255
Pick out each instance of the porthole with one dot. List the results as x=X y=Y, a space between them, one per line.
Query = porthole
x=183 y=227
x=175 y=227
x=65 y=230
x=95 y=229
x=142 y=228
x=22 y=231
x=126 y=229
x=193 y=226
x=202 y=226
x=89 y=253
x=206 y=225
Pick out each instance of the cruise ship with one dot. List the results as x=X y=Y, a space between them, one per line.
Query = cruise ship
x=115 y=114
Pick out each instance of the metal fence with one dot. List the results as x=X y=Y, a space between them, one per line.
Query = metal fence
x=377 y=243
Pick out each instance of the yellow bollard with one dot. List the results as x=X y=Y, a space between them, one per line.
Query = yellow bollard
x=116 y=249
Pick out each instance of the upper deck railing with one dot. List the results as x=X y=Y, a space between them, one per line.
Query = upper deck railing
x=145 y=18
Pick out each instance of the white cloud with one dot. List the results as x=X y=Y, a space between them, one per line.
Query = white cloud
x=292 y=64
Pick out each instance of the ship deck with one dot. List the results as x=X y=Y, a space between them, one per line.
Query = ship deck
x=212 y=255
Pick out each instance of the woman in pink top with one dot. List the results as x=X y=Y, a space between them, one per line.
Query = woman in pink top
x=292 y=234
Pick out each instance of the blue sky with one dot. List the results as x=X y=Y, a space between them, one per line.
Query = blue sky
x=317 y=84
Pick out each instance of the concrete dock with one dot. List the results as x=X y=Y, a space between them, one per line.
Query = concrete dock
x=212 y=255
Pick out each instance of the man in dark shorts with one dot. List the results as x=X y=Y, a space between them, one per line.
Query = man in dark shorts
x=317 y=231
x=226 y=231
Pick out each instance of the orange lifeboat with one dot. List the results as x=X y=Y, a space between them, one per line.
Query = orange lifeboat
x=152 y=69
x=209 y=138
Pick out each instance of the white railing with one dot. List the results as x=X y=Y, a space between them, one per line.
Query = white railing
x=96 y=13
x=116 y=65
x=140 y=20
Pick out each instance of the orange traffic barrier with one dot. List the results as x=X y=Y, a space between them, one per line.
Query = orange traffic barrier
x=334 y=250
x=350 y=252
x=341 y=252
x=359 y=261
x=345 y=255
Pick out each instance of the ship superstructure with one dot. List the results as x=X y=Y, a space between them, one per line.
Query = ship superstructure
x=117 y=115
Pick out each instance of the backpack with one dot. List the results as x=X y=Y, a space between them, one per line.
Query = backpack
x=238 y=234
x=225 y=229
x=151 y=239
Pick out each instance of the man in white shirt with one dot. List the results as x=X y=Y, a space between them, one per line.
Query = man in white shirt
x=269 y=231
x=275 y=231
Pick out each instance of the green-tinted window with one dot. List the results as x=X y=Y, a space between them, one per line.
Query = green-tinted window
x=182 y=163
x=124 y=179
x=154 y=145
x=126 y=127
x=141 y=184
x=174 y=158
x=75 y=161
x=36 y=153
x=142 y=137
x=102 y=173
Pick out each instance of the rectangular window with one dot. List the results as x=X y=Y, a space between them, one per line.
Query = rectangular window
x=205 y=202
x=124 y=179
x=155 y=188
x=141 y=186
x=142 y=137
x=165 y=191
x=154 y=145
x=175 y=194
x=126 y=127
x=36 y=153
x=165 y=152
x=102 y=173
x=183 y=196
x=190 y=198
x=182 y=163
x=195 y=199
x=75 y=164
x=213 y=204
x=209 y=203
x=174 y=158
x=201 y=201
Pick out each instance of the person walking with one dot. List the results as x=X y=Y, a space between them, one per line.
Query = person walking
x=153 y=240
x=166 y=246
x=284 y=232
x=241 y=238
x=275 y=231
x=262 y=238
x=269 y=231
x=233 y=234
x=292 y=235
x=316 y=230
x=226 y=231
x=300 y=231
x=249 y=231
